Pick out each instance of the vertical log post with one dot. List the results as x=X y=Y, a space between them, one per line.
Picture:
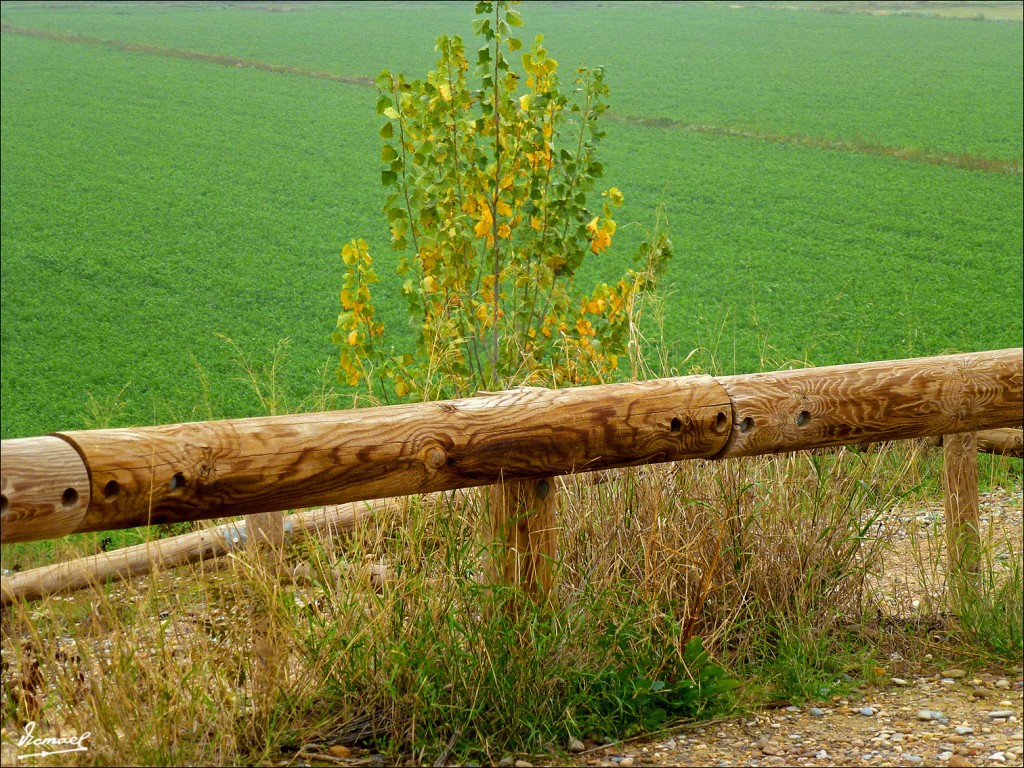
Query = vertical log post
x=269 y=654
x=266 y=533
x=522 y=536
x=963 y=540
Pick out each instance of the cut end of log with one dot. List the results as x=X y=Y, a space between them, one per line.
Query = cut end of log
x=44 y=489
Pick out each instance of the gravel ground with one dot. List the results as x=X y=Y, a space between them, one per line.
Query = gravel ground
x=970 y=720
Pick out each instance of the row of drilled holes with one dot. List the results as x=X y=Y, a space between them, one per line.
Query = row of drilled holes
x=113 y=488
x=68 y=499
x=747 y=424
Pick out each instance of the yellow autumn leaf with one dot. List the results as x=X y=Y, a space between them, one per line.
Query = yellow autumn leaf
x=524 y=102
x=349 y=254
x=445 y=90
x=592 y=226
x=600 y=242
x=353 y=338
x=616 y=196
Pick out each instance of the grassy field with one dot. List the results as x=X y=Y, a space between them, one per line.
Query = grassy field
x=811 y=166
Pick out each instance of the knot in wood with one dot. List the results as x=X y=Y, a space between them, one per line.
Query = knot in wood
x=436 y=457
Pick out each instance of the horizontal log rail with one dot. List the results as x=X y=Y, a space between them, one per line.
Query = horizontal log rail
x=1002 y=442
x=161 y=554
x=122 y=478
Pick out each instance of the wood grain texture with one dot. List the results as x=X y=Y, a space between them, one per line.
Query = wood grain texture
x=892 y=400
x=960 y=486
x=45 y=489
x=219 y=469
x=1004 y=442
x=522 y=535
x=178 y=550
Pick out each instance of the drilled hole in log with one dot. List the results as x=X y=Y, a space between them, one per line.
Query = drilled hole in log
x=69 y=498
x=542 y=490
x=803 y=419
x=747 y=424
x=111 y=489
x=720 y=421
x=178 y=481
x=4 y=504
x=676 y=425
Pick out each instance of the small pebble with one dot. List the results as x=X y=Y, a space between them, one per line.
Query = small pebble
x=1003 y=685
x=930 y=714
x=899 y=681
x=954 y=673
x=576 y=746
x=1000 y=713
x=816 y=712
x=626 y=762
x=913 y=759
x=867 y=711
x=963 y=730
x=339 y=750
x=507 y=762
x=959 y=761
x=522 y=764
x=999 y=757
x=821 y=754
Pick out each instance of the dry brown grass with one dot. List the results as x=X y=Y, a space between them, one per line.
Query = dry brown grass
x=169 y=669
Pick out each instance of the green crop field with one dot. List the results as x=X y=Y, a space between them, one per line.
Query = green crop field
x=838 y=187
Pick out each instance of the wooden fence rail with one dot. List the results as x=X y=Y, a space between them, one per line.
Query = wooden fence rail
x=73 y=482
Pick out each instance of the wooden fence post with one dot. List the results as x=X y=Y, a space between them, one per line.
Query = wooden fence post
x=522 y=536
x=963 y=540
x=267 y=528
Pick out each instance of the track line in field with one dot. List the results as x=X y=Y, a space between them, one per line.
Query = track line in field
x=966 y=161
x=178 y=53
